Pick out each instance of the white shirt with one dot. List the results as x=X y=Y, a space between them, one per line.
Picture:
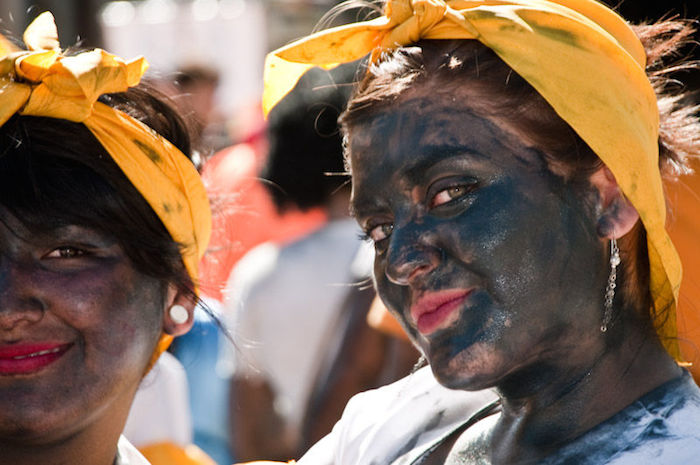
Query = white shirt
x=284 y=301
x=161 y=410
x=128 y=455
x=397 y=424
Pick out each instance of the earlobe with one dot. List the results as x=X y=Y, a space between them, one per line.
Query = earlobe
x=616 y=216
x=178 y=316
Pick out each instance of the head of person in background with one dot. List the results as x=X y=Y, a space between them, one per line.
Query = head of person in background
x=507 y=164
x=103 y=218
x=301 y=283
x=195 y=92
x=304 y=168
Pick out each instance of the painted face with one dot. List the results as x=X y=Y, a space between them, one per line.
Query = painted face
x=77 y=328
x=490 y=261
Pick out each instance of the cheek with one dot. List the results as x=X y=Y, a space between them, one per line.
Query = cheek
x=116 y=313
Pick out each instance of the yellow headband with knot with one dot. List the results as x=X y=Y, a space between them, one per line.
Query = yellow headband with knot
x=583 y=59
x=43 y=82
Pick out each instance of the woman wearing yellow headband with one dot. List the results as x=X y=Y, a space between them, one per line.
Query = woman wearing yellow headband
x=102 y=220
x=506 y=166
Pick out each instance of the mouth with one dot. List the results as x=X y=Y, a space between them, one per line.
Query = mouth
x=29 y=358
x=436 y=310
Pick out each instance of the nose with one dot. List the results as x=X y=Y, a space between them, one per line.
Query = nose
x=20 y=302
x=411 y=255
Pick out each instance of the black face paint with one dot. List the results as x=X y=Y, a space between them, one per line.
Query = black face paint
x=491 y=262
x=72 y=302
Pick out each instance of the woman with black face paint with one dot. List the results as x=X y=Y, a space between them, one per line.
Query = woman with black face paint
x=103 y=218
x=507 y=160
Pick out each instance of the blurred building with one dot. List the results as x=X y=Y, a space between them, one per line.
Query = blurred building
x=230 y=36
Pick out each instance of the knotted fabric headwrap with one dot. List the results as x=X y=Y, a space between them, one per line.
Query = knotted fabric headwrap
x=43 y=82
x=583 y=59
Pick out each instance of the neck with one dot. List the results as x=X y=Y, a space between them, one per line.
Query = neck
x=553 y=402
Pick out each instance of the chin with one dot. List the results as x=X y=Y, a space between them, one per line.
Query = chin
x=472 y=369
x=30 y=420
x=29 y=431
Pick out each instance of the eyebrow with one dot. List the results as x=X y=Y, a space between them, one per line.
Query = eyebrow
x=433 y=154
x=429 y=156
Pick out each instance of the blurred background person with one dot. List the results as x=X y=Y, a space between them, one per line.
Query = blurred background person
x=196 y=85
x=160 y=413
x=295 y=304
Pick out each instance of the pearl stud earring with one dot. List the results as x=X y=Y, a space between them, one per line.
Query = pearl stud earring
x=179 y=314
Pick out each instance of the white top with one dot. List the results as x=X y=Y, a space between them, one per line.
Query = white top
x=128 y=455
x=284 y=300
x=395 y=424
x=161 y=410
x=399 y=423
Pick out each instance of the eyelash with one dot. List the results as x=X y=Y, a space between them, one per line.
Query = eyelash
x=466 y=188
x=76 y=252
x=364 y=236
x=367 y=235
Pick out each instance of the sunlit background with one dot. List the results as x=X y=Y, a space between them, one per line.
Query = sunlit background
x=227 y=37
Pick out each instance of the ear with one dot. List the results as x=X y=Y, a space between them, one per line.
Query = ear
x=615 y=214
x=175 y=296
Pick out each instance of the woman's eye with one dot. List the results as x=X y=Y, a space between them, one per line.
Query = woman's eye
x=380 y=232
x=448 y=195
x=66 y=252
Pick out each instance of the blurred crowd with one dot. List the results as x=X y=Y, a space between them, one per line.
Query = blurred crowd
x=289 y=329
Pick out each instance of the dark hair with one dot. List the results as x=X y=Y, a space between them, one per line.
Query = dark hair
x=305 y=144
x=54 y=173
x=493 y=90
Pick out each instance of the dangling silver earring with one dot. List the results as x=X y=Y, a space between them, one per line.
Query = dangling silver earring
x=420 y=363
x=610 y=288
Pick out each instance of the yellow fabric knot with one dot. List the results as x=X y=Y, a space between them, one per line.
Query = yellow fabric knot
x=42 y=81
x=412 y=20
x=582 y=57
x=58 y=86
x=68 y=87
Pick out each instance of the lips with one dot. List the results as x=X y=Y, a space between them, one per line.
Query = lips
x=24 y=359
x=433 y=310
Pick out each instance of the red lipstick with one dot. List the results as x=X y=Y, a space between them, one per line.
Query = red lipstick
x=432 y=309
x=22 y=359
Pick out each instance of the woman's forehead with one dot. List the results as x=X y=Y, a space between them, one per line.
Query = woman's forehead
x=417 y=132
x=52 y=228
x=412 y=144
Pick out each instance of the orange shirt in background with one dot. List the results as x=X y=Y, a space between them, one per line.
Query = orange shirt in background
x=243 y=214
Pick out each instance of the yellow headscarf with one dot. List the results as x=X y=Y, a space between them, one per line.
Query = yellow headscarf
x=579 y=55
x=43 y=82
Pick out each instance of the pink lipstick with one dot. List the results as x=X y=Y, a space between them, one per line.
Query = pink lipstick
x=433 y=309
x=22 y=359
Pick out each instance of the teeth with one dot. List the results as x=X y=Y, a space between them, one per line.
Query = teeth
x=37 y=354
